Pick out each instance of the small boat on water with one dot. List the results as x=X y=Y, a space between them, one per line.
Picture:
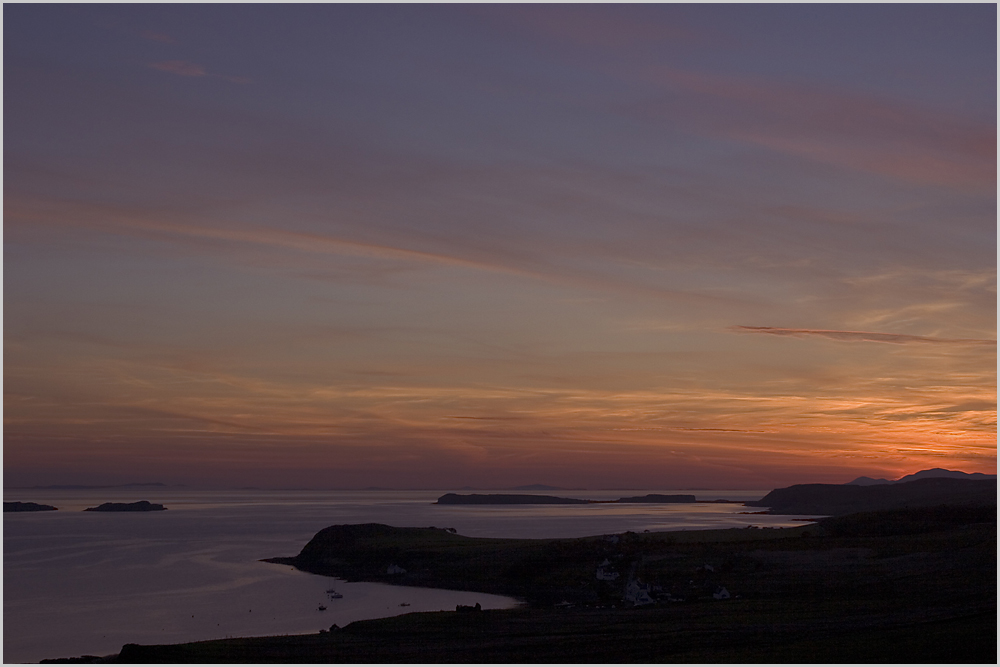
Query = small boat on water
x=334 y=595
x=322 y=608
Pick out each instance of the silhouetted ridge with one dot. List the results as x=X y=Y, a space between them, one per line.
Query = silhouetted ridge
x=836 y=499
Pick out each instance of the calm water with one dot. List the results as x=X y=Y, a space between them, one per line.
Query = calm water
x=85 y=583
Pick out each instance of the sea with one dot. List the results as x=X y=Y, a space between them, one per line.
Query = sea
x=85 y=583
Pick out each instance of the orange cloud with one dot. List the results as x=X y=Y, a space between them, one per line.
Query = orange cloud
x=863 y=336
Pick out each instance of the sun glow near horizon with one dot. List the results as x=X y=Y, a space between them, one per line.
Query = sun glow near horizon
x=659 y=246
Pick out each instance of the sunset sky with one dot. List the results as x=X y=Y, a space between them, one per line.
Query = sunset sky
x=600 y=246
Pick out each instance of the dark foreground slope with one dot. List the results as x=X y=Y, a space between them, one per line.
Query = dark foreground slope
x=911 y=586
x=741 y=632
x=837 y=499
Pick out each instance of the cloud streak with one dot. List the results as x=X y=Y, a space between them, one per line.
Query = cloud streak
x=185 y=68
x=154 y=36
x=863 y=336
x=120 y=220
x=866 y=133
x=180 y=67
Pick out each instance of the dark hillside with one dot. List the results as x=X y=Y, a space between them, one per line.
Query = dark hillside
x=838 y=499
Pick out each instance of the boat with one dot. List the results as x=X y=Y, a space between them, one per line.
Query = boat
x=322 y=608
x=334 y=595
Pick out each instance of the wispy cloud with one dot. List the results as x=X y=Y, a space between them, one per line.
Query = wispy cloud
x=181 y=67
x=592 y=25
x=160 y=226
x=185 y=68
x=862 y=336
x=157 y=37
x=866 y=133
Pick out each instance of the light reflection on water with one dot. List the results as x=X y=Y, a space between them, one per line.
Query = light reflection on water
x=85 y=583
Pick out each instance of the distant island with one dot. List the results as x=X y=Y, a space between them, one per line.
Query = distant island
x=85 y=487
x=27 y=507
x=657 y=498
x=141 y=506
x=527 y=499
x=506 y=499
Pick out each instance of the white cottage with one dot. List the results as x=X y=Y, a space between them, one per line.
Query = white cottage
x=395 y=569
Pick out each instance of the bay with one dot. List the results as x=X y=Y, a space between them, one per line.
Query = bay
x=80 y=583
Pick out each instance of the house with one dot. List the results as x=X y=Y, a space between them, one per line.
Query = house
x=721 y=593
x=638 y=593
x=613 y=539
x=395 y=569
x=606 y=571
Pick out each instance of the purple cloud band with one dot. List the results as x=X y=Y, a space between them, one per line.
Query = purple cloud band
x=863 y=336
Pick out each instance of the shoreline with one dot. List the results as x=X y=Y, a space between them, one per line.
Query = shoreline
x=822 y=590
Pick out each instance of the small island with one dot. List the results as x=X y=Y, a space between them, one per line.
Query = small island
x=141 y=506
x=527 y=499
x=657 y=498
x=507 y=499
x=27 y=507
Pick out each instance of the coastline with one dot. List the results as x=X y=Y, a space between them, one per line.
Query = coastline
x=834 y=591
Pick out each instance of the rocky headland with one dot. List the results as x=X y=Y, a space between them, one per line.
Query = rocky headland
x=839 y=499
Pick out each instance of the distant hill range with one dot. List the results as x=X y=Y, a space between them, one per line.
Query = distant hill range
x=838 y=499
x=526 y=499
x=923 y=474
x=83 y=487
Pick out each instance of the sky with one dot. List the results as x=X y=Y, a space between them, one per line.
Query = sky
x=433 y=246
